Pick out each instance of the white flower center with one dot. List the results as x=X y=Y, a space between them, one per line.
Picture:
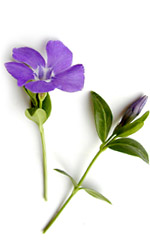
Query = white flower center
x=43 y=73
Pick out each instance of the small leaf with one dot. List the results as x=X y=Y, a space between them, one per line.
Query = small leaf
x=131 y=128
x=103 y=116
x=46 y=105
x=66 y=174
x=37 y=115
x=95 y=194
x=143 y=117
x=32 y=96
x=129 y=146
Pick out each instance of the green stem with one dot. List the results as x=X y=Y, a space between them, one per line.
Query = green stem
x=75 y=190
x=87 y=170
x=44 y=162
x=59 y=212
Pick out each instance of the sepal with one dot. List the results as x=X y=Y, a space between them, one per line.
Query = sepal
x=37 y=115
x=40 y=115
x=33 y=97
x=46 y=105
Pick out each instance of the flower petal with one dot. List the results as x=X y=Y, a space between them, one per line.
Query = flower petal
x=40 y=86
x=71 y=80
x=29 y=56
x=59 y=56
x=20 y=72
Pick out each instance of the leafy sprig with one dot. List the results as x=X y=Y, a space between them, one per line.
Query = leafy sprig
x=117 y=141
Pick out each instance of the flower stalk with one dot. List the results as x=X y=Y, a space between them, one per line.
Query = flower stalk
x=44 y=162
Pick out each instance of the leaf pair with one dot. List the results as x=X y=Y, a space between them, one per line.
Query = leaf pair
x=103 y=121
x=40 y=115
x=90 y=191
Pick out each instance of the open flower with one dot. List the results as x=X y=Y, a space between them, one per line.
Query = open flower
x=31 y=70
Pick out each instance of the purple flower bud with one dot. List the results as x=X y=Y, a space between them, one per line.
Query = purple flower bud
x=133 y=110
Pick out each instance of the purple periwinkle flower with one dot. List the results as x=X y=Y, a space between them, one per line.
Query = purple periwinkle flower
x=31 y=70
x=133 y=110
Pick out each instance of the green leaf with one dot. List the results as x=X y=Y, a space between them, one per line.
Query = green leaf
x=129 y=129
x=66 y=174
x=143 y=117
x=129 y=146
x=37 y=115
x=95 y=194
x=46 y=105
x=103 y=116
x=133 y=127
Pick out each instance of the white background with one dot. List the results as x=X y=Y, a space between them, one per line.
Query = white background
x=112 y=40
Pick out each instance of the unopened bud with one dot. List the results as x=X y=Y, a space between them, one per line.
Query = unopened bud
x=133 y=110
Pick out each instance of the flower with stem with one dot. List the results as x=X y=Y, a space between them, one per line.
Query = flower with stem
x=118 y=141
x=38 y=77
